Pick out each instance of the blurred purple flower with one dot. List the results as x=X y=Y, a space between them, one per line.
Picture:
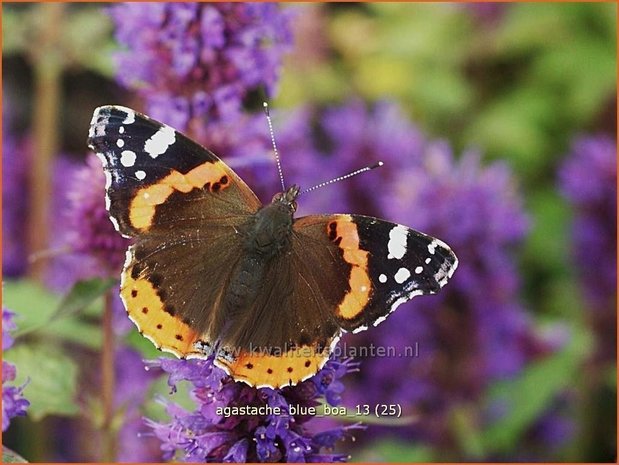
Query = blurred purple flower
x=588 y=179
x=13 y=402
x=317 y=145
x=199 y=61
x=205 y=436
x=488 y=13
x=14 y=199
x=90 y=231
x=66 y=265
x=133 y=383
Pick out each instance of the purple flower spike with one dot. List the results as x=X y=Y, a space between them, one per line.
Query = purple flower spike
x=200 y=61
x=589 y=181
x=90 y=232
x=214 y=432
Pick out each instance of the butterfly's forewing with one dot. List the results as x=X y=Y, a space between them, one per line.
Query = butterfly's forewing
x=158 y=180
x=183 y=206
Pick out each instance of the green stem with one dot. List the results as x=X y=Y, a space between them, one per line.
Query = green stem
x=108 y=382
x=47 y=66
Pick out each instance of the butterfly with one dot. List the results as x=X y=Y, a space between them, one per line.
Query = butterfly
x=212 y=272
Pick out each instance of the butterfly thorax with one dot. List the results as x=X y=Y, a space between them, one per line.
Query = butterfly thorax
x=267 y=234
x=269 y=230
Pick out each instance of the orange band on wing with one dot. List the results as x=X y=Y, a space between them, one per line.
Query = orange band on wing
x=260 y=369
x=142 y=208
x=360 y=285
x=146 y=310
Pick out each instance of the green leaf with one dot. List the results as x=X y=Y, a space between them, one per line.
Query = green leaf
x=32 y=303
x=51 y=377
x=395 y=451
x=146 y=348
x=463 y=424
x=14 y=31
x=528 y=396
x=9 y=456
x=35 y=307
x=88 y=40
x=81 y=295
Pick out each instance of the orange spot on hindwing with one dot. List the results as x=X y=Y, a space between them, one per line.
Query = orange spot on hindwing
x=343 y=232
x=146 y=310
x=142 y=208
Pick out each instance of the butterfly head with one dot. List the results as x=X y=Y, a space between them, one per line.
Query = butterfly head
x=288 y=197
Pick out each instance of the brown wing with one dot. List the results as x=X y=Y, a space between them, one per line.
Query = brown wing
x=183 y=206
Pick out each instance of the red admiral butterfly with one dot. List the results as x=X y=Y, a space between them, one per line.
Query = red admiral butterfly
x=212 y=270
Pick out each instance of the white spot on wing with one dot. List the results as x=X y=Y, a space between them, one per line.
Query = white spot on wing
x=140 y=174
x=121 y=130
x=160 y=141
x=130 y=119
x=382 y=278
x=120 y=143
x=398 y=237
x=428 y=260
x=419 y=269
x=127 y=158
x=402 y=275
x=432 y=247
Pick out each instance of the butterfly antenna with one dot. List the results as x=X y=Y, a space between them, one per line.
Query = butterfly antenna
x=346 y=176
x=279 y=164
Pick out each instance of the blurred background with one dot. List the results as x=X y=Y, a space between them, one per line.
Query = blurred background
x=497 y=126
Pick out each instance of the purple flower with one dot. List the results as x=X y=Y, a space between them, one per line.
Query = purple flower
x=588 y=179
x=13 y=402
x=317 y=145
x=207 y=434
x=14 y=199
x=90 y=232
x=132 y=385
x=194 y=63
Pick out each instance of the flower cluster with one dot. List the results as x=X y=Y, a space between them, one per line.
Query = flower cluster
x=588 y=179
x=194 y=63
x=90 y=231
x=206 y=436
x=13 y=402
